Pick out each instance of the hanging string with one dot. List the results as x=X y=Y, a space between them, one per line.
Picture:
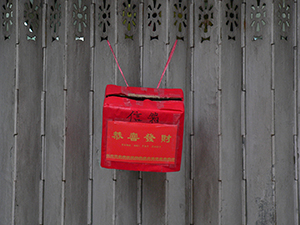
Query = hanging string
x=117 y=62
x=169 y=59
x=166 y=66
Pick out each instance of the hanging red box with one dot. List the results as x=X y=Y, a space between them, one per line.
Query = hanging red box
x=142 y=129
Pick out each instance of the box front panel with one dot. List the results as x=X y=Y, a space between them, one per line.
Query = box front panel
x=141 y=142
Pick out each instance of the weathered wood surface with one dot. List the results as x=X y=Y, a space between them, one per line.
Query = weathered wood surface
x=154 y=58
x=297 y=115
x=78 y=55
x=105 y=72
x=55 y=120
x=283 y=86
x=259 y=119
x=241 y=99
x=28 y=143
x=7 y=112
x=230 y=141
x=178 y=76
x=127 y=49
x=206 y=111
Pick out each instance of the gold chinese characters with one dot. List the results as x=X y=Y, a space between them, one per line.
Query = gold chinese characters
x=117 y=135
x=148 y=138
x=165 y=138
x=133 y=137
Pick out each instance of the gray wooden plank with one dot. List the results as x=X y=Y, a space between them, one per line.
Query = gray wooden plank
x=284 y=117
x=153 y=198
x=178 y=77
x=128 y=54
x=29 y=69
x=104 y=73
x=77 y=112
x=297 y=116
x=260 y=203
x=154 y=59
x=154 y=42
x=7 y=93
x=297 y=100
x=126 y=197
x=206 y=69
x=55 y=118
x=230 y=130
x=127 y=49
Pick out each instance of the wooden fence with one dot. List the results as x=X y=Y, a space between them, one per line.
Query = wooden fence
x=237 y=63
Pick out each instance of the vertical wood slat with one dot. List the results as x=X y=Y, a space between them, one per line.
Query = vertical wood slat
x=155 y=40
x=178 y=76
x=127 y=51
x=7 y=112
x=260 y=205
x=125 y=184
x=283 y=83
x=16 y=111
x=77 y=112
x=297 y=72
x=230 y=87
x=104 y=73
x=140 y=174
x=191 y=158
x=91 y=115
x=206 y=63
x=243 y=113
x=55 y=115
x=155 y=50
x=28 y=164
x=296 y=90
x=43 y=111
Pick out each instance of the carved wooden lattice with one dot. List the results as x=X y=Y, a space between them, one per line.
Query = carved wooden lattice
x=7 y=18
x=80 y=19
x=180 y=17
x=154 y=18
x=206 y=19
x=258 y=19
x=32 y=18
x=104 y=17
x=55 y=19
x=232 y=18
x=284 y=18
x=129 y=18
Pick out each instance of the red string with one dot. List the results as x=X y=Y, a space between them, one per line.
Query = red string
x=169 y=59
x=117 y=62
x=166 y=66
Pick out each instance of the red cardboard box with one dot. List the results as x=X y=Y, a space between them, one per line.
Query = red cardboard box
x=142 y=129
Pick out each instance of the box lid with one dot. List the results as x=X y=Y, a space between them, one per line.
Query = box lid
x=145 y=92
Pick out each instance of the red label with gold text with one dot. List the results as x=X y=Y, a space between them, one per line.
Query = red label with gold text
x=141 y=142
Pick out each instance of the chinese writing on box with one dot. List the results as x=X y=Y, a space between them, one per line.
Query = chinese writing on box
x=133 y=137
x=153 y=117
x=165 y=138
x=149 y=137
x=134 y=116
x=117 y=135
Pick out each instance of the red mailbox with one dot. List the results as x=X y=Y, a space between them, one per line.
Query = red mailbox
x=142 y=129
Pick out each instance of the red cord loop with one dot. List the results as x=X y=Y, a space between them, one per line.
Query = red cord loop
x=166 y=66
x=117 y=62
